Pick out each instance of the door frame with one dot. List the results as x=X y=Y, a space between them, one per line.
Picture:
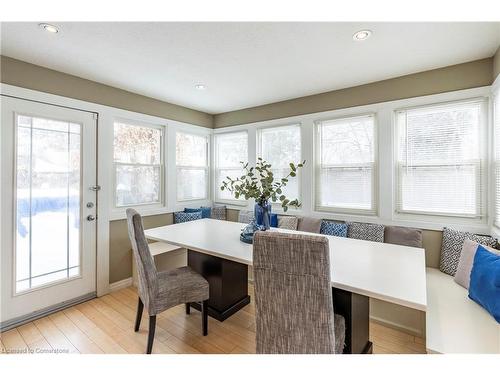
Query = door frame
x=102 y=229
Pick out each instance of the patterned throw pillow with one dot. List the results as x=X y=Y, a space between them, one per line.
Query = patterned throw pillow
x=331 y=228
x=367 y=232
x=219 y=212
x=245 y=216
x=451 y=248
x=288 y=222
x=182 y=217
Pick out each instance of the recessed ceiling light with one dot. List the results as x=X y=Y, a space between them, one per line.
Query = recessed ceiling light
x=200 y=87
x=48 y=27
x=361 y=35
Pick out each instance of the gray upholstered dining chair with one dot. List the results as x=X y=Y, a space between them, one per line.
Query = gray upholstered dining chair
x=293 y=295
x=159 y=291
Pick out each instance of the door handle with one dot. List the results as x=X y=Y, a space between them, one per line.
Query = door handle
x=91 y=218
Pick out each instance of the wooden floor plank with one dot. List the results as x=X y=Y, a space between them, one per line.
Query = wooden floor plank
x=106 y=324
x=99 y=337
x=14 y=342
x=34 y=339
x=54 y=335
x=74 y=334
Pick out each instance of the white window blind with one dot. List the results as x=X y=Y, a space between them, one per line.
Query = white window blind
x=280 y=146
x=192 y=166
x=441 y=156
x=496 y=122
x=138 y=164
x=230 y=150
x=346 y=165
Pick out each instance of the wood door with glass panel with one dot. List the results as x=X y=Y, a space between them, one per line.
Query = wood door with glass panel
x=48 y=200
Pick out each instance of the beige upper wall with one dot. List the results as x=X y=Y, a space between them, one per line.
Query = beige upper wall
x=456 y=77
x=23 y=74
x=496 y=64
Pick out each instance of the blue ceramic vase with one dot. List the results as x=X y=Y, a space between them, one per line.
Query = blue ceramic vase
x=263 y=215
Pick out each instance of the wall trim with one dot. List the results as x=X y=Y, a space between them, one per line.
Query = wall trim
x=125 y=283
x=399 y=327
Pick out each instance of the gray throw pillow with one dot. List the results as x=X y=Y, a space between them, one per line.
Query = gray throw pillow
x=309 y=224
x=367 y=232
x=403 y=236
x=218 y=212
x=245 y=216
x=464 y=268
x=451 y=248
x=288 y=222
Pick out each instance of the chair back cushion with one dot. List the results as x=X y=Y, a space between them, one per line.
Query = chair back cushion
x=309 y=224
x=367 y=232
x=293 y=295
x=218 y=212
x=182 y=217
x=403 y=236
x=331 y=228
x=485 y=281
x=464 y=268
x=146 y=269
x=451 y=248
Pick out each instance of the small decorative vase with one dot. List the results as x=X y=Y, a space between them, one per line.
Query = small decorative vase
x=263 y=215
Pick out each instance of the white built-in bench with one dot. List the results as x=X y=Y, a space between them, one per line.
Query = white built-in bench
x=455 y=323
x=166 y=257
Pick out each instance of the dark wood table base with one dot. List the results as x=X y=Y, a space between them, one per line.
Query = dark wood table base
x=355 y=309
x=228 y=282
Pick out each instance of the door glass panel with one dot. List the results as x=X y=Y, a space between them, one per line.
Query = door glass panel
x=47 y=201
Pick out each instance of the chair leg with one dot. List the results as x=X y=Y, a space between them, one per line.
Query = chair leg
x=140 y=307
x=188 y=308
x=151 y=333
x=204 y=312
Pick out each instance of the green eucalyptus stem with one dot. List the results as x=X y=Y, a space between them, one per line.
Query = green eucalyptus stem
x=259 y=183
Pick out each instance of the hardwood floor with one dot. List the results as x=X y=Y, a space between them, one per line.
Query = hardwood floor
x=105 y=325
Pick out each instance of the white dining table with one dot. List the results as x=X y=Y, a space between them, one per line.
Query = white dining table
x=359 y=269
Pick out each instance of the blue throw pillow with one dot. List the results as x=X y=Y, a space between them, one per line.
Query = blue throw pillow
x=191 y=210
x=206 y=212
x=182 y=217
x=274 y=220
x=333 y=229
x=484 y=285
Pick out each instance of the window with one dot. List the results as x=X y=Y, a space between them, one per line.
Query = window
x=345 y=180
x=230 y=150
x=496 y=127
x=192 y=166
x=48 y=192
x=280 y=146
x=138 y=164
x=441 y=159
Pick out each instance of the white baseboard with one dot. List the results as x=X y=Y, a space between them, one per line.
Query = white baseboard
x=400 y=327
x=120 y=284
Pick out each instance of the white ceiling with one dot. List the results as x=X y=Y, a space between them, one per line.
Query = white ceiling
x=244 y=64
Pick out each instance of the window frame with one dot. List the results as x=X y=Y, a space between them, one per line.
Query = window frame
x=233 y=201
x=206 y=168
x=495 y=155
x=163 y=185
x=482 y=173
x=258 y=153
x=374 y=167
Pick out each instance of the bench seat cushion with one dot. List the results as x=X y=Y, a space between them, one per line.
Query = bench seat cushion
x=455 y=323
